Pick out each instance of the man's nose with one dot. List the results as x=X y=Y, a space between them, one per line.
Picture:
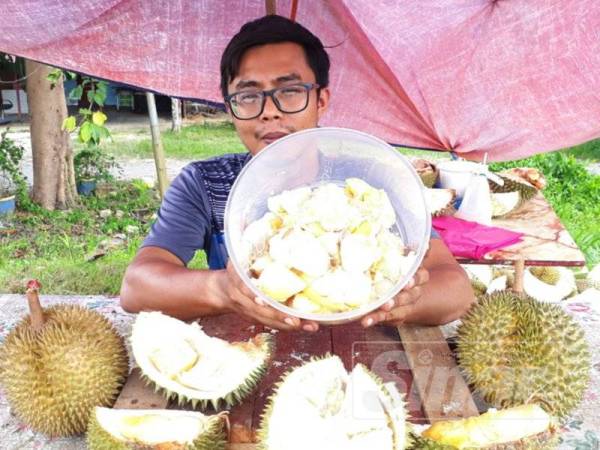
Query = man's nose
x=270 y=110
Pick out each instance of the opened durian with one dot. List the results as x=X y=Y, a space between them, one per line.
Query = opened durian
x=514 y=183
x=521 y=427
x=427 y=171
x=321 y=406
x=185 y=363
x=440 y=201
x=504 y=203
x=515 y=350
x=155 y=429
x=327 y=249
x=549 y=284
x=58 y=364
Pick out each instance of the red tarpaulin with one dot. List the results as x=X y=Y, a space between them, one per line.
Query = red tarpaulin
x=507 y=77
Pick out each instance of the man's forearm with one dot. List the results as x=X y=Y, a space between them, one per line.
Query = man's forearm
x=173 y=289
x=445 y=297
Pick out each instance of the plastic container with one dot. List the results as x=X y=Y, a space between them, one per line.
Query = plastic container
x=457 y=175
x=326 y=155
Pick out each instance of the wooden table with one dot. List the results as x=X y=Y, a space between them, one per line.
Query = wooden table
x=436 y=391
x=546 y=242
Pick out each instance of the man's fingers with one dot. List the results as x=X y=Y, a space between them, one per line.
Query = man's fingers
x=421 y=277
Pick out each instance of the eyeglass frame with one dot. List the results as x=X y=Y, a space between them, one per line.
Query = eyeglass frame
x=270 y=93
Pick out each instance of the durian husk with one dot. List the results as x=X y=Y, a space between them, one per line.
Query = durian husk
x=514 y=183
x=262 y=344
x=522 y=427
x=214 y=436
x=440 y=201
x=428 y=171
x=513 y=350
x=547 y=274
x=55 y=377
x=394 y=400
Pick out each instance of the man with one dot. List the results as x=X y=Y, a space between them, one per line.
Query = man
x=274 y=78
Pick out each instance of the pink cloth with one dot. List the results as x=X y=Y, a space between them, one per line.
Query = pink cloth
x=511 y=78
x=471 y=239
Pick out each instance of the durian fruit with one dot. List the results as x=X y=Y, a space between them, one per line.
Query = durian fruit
x=547 y=274
x=515 y=350
x=319 y=405
x=58 y=364
x=590 y=280
x=155 y=429
x=187 y=364
x=514 y=183
x=427 y=171
x=440 y=201
x=504 y=203
x=520 y=427
x=551 y=285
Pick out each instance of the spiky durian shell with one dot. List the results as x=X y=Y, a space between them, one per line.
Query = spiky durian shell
x=545 y=441
x=213 y=438
x=395 y=399
x=54 y=378
x=515 y=350
x=149 y=321
x=513 y=183
x=547 y=274
x=479 y=288
x=585 y=284
x=264 y=341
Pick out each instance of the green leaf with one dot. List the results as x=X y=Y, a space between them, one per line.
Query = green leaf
x=85 y=111
x=85 y=132
x=90 y=96
x=99 y=118
x=69 y=124
x=99 y=98
x=76 y=92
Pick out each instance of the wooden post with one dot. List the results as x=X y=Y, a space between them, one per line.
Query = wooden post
x=519 y=274
x=271 y=7
x=157 y=148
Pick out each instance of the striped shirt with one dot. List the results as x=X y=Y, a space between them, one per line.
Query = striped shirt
x=190 y=217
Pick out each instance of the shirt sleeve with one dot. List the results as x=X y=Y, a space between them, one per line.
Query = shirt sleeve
x=183 y=223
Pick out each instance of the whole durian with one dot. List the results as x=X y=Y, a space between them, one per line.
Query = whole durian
x=186 y=364
x=58 y=364
x=156 y=429
x=319 y=405
x=515 y=350
x=525 y=427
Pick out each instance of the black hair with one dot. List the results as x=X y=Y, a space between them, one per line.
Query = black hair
x=273 y=29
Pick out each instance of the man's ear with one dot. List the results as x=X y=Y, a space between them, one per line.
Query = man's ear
x=322 y=101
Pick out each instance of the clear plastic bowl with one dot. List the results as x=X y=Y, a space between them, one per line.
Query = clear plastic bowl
x=328 y=155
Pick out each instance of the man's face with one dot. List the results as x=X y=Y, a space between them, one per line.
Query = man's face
x=268 y=67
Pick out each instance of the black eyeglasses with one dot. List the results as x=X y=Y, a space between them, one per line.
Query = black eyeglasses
x=291 y=99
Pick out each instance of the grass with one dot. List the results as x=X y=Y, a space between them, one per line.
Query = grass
x=197 y=141
x=54 y=247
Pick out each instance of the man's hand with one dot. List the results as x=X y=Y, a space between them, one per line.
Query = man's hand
x=240 y=299
x=395 y=311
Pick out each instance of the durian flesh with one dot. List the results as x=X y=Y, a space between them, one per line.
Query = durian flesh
x=333 y=409
x=333 y=246
x=155 y=429
x=524 y=426
x=189 y=365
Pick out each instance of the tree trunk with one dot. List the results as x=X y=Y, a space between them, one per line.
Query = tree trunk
x=53 y=174
x=175 y=115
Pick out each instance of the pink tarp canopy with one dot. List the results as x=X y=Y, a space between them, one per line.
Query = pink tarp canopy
x=507 y=77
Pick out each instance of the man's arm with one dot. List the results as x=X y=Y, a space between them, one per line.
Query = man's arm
x=157 y=280
x=440 y=293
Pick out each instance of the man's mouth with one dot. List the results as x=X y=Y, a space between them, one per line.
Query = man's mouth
x=272 y=137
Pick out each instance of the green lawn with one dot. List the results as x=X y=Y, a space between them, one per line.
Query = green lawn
x=55 y=246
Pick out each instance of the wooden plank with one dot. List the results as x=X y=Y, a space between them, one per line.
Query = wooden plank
x=136 y=394
x=442 y=389
x=379 y=348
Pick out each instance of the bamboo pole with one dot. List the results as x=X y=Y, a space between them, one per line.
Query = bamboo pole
x=271 y=7
x=157 y=147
